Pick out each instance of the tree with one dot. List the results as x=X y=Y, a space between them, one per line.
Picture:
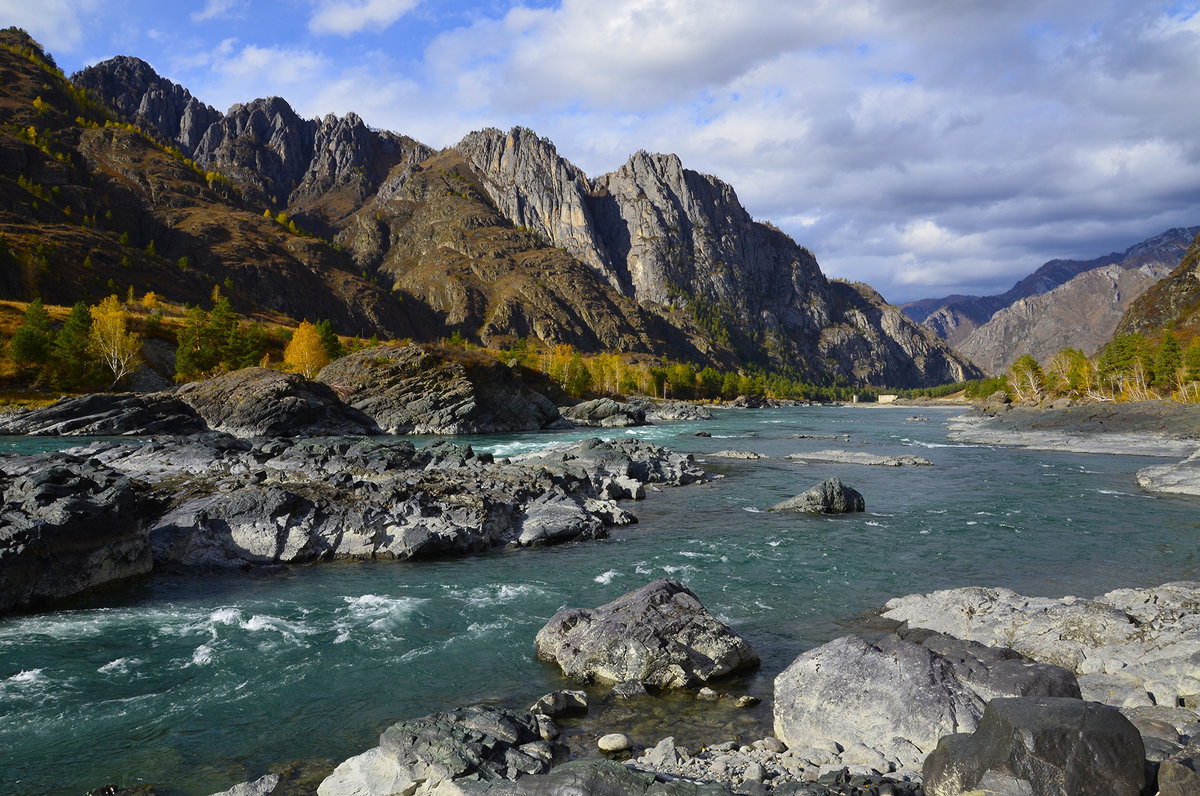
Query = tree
x=71 y=347
x=305 y=352
x=1167 y=363
x=31 y=343
x=329 y=340
x=111 y=341
x=1026 y=378
x=1191 y=360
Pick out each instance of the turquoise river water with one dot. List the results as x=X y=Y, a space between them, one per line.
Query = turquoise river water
x=193 y=684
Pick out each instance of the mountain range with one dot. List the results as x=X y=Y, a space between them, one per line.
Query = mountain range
x=120 y=178
x=1063 y=304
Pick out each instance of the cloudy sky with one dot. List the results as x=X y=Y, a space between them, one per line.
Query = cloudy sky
x=923 y=146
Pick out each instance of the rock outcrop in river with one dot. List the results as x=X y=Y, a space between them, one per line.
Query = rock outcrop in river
x=213 y=500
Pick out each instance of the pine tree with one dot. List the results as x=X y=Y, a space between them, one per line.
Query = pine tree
x=1191 y=360
x=333 y=346
x=1168 y=362
x=31 y=343
x=71 y=347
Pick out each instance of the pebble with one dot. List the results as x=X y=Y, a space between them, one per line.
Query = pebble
x=613 y=742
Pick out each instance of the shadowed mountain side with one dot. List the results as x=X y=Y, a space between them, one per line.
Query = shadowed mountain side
x=1175 y=300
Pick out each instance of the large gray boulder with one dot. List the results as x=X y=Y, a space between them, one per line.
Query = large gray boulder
x=107 y=415
x=430 y=754
x=828 y=497
x=1040 y=747
x=259 y=402
x=899 y=696
x=66 y=529
x=1129 y=647
x=605 y=413
x=659 y=635
x=415 y=390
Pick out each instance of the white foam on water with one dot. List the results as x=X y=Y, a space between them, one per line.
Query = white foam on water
x=203 y=655
x=501 y=593
x=226 y=616
x=925 y=532
x=605 y=578
x=874 y=524
x=752 y=509
x=972 y=522
x=119 y=666
x=772 y=543
x=24 y=682
x=343 y=635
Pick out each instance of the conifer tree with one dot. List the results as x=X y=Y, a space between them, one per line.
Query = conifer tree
x=333 y=346
x=1167 y=363
x=30 y=345
x=71 y=347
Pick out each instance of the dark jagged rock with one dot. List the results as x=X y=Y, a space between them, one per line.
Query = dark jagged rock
x=259 y=402
x=150 y=101
x=220 y=501
x=659 y=635
x=412 y=390
x=828 y=497
x=467 y=744
x=599 y=777
x=66 y=528
x=897 y=696
x=605 y=413
x=107 y=414
x=1041 y=746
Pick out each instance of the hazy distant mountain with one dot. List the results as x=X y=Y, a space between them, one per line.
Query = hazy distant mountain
x=955 y=318
x=495 y=238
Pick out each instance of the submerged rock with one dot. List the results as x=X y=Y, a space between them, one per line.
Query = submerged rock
x=67 y=528
x=659 y=635
x=828 y=497
x=1041 y=747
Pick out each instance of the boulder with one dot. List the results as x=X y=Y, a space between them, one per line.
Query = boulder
x=1179 y=775
x=828 y=497
x=259 y=402
x=1130 y=647
x=266 y=785
x=899 y=696
x=415 y=390
x=1040 y=746
x=107 y=415
x=557 y=704
x=659 y=635
x=67 y=528
x=605 y=413
x=474 y=743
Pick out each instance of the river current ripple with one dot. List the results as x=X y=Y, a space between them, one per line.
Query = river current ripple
x=193 y=684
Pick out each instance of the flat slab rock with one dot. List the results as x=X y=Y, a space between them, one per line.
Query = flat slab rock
x=659 y=635
x=1129 y=647
x=860 y=457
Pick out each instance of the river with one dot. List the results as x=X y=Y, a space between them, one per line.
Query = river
x=192 y=684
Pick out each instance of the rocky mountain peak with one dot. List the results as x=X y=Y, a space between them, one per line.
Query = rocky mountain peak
x=132 y=87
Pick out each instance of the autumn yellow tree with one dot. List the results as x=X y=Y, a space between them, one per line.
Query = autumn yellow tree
x=111 y=341
x=305 y=352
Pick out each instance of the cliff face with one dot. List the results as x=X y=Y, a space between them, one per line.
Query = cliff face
x=1079 y=314
x=1174 y=300
x=668 y=236
x=500 y=237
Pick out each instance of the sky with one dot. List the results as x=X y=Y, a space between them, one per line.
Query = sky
x=925 y=147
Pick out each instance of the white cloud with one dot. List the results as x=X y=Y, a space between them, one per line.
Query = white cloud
x=219 y=9
x=345 y=17
x=56 y=24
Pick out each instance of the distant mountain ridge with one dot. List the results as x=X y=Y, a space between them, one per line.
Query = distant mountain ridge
x=495 y=238
x=955 y=317
x=1173 y=303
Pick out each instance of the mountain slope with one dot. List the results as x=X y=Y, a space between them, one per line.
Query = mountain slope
x=1082 y=313
x=955 y=318
x=497 y=238
x=1175 y=301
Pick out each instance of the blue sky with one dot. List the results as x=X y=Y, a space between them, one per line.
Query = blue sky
x=924 y=147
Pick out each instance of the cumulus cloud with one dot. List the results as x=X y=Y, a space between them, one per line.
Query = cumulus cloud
x=219 y=9
x=345 y=17
x=56 y=24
